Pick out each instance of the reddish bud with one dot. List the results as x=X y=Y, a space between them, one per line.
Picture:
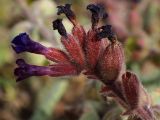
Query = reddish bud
x=56 y=55
x=75 y=52
x=111 y=63
x=134 y=93
x=131 y=89
x=92 y=48
x=80 y=34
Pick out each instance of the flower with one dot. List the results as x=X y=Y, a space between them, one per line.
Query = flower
x=23 y=43
x=85 y=50
x=26 y=70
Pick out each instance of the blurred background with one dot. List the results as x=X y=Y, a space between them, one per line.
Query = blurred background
x=137 y=25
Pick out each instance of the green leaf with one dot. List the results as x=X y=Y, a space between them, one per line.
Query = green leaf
x=5 y=49
x=90 y=113
x=48 y=98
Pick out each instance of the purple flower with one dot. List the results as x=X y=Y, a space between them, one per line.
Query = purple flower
x=25 y=70
x=22 y=43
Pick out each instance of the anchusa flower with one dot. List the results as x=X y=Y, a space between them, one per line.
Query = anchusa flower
x=97 y=53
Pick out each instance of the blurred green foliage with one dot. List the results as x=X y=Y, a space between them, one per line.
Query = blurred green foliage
x=48 y=98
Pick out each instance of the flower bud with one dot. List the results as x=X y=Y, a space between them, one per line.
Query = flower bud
x=111 y=63
x=131 y=89
x=136 y=97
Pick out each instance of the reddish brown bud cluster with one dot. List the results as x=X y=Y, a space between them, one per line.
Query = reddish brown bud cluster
x=97 y=52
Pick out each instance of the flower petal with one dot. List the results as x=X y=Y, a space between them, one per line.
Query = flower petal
x=23 y=43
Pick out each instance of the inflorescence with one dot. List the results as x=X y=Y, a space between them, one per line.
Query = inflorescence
x=97 y=53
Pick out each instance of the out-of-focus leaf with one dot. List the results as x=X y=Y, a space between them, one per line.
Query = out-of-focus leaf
x=152 y=79
x=90 y=113
x=5 y=48
x=48 y=98
x=130 y=47
x=155 y=95
x=8 y=87
x=150 y=13
x=35 y=59
x=97 y=105
x=145 y=77
x=6 y=6
x=136 y=68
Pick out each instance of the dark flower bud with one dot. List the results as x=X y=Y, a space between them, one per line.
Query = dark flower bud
x=97 y=13
x=23 y=43
x=58 y=25
x=106 y=31
x=102 y=13
x=68 y=12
